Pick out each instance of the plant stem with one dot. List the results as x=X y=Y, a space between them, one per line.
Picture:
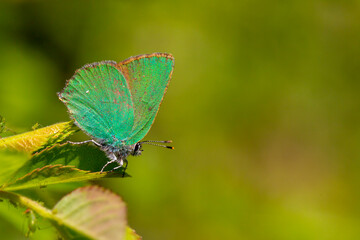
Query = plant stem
x=28 y=203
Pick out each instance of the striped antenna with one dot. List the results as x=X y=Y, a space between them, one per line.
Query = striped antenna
x=159 y=145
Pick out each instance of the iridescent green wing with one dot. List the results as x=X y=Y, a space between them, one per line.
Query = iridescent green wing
x=148 y=77
x=99 y=100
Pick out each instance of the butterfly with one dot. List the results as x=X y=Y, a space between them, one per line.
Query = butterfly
x=116 y=103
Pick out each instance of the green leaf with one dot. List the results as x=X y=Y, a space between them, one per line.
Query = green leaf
x=38 y=139
x=51 y=174
x=10 y=162
x=131 y=234
x=59 y=164
x=91 y=212
x=50 y=163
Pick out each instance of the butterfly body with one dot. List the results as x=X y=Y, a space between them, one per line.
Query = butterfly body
x=116 y=103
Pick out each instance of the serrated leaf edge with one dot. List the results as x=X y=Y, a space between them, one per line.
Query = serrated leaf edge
x=5 y=186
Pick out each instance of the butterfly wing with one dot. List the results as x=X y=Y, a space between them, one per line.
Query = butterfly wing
x=148 y=77
x=99 y=100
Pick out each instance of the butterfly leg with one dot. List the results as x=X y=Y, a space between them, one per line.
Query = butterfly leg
x=126 y=165
x=107 y=164
x=87 y=141
x=112 y=158
x=121 y=163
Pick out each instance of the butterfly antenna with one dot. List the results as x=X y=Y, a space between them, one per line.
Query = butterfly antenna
x=159 y=145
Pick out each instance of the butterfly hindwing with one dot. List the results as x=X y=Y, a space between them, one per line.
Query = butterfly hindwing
x=148 y=77
x=99 y=100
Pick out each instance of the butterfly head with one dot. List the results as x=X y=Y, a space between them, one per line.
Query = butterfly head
x=137 y=149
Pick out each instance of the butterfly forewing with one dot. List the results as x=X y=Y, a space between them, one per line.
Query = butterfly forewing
x=98 y=98
x=148 y=77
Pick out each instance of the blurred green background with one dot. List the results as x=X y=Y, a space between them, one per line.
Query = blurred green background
x=263 y=109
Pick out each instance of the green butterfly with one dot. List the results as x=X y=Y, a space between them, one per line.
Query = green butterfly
x=116 y=103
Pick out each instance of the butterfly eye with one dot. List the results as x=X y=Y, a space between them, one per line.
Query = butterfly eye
x=137 y=147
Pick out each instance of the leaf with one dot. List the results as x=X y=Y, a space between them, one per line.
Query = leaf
x=38 y=139
x=50 y=165
x=60 y=164
x=10 y=162
x=131 y=234
x=91 y=212
x=51 y=174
